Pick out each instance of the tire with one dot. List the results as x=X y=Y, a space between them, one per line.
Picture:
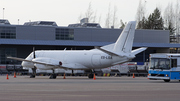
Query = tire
x=166 y=80
x=32 y=76
x=90 y=76
x=52 y=76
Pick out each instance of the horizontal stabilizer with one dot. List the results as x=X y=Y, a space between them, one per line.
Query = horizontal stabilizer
x=139 y=50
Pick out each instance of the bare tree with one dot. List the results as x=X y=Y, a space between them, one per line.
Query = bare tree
x=122 y=24
x=80 y=17
x=169 y=16
x=108 y=17
x=177 y=19
x=140 y=13
x=114 y=22
x=94 y=17
x=89 y=13
x=99 y=21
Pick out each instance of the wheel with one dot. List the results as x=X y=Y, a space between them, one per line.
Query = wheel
x=90 y=76
x=53 y=76
x=32 y=76
x=166 y=80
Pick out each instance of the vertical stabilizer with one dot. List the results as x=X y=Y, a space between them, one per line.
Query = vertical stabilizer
x=125 y=41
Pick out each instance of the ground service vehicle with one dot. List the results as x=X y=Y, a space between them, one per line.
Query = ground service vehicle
x=164 y=67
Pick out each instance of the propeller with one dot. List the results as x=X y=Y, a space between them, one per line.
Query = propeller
x=33 y=69
x=34 y=56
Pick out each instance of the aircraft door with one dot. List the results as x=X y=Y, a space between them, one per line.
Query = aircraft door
x=96 y=60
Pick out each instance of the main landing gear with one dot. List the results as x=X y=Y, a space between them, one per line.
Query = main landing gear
x=90 y=76
x=72 y=74
x=53 y=75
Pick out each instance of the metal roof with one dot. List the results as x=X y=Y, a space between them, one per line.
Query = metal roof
x=79 y=43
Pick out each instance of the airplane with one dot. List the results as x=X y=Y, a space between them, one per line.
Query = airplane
x=98 y=58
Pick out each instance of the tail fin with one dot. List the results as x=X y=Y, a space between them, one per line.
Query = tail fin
x=125 y=41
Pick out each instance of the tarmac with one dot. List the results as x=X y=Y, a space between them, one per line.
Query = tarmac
x=41 y=88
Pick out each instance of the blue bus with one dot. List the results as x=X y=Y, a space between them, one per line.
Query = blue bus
x=164 y=66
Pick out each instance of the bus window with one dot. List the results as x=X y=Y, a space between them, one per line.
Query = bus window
x=173 y=63
x=160 y=63
x=164 y=64
x=153 y=63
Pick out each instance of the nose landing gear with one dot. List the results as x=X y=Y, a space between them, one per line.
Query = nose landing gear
x=33 y=75
x=53 y=75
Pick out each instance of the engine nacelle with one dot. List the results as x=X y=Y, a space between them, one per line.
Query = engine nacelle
x=46 y=61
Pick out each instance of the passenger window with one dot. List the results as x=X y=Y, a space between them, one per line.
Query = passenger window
x=173 y=63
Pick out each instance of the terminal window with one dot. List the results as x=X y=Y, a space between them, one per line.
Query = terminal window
x=64 y=34
x=5 y=52
x=7 y=32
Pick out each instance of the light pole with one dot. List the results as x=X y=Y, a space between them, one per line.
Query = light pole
x=3 y=13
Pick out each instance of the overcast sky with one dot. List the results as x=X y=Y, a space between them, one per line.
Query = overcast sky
x=65 y=12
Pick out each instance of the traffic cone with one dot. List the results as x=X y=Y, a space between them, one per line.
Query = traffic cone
x=133 y=75
x=64 y=76
x=14 y=74
x=94 y=78
x=7 y=77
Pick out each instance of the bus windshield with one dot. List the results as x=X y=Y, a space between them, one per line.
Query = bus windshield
x=159 y=63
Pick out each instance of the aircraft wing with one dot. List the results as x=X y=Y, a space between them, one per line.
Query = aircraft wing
x=21 y=59
x=71 y=66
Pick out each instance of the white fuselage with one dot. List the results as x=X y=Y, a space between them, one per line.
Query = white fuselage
x=92 y=59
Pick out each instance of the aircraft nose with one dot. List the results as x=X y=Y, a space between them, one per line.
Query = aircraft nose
x=23 y=64
x=27 y=64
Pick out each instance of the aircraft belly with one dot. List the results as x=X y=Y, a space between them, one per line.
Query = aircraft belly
x=106 y=62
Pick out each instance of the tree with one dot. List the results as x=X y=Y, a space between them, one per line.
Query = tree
x=142 y=24
x=89 y=13
x=140 y=14
x=169 y=19
x=158 y=21
x=177 y=18
x=94 y=17
x=171 y=28
x=114 y=20
x=122 y=24
x=108 y=17
x=99 y=21
x=154 y=21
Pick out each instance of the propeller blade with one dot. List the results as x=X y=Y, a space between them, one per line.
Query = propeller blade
x=34 y=56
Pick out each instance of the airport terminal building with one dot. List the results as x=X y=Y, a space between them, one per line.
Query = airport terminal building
x=19 y=40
